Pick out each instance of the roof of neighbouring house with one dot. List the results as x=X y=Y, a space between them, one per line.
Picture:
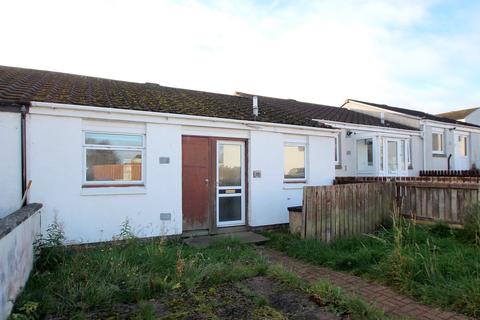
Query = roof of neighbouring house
x=18 y=85
x=327 y=113
x=415 y=113
x=458 y=114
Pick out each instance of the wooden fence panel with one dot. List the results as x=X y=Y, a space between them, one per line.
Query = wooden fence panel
x=332 y=212
x=437 y=201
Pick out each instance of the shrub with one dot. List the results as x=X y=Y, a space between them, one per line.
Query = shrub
x=472 y=223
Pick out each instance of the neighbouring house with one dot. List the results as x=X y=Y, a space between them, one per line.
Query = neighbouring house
x=366 y=145
x=471 y=115
x=444 y=144
x=169 y=160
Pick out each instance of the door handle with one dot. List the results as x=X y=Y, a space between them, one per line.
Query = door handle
x=206 y=181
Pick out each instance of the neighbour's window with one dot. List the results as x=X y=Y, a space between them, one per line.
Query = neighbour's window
x=337 y=149
x=462 y=145
x=409 y=153
x=113 y=159
x=365 y=155
x=294 y=159
x=438 y=142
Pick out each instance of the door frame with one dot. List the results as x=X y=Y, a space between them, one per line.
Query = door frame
x=212 y=197
x=243 y=177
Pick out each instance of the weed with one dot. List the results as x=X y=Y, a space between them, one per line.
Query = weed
x=472 y=223
x=433 y=264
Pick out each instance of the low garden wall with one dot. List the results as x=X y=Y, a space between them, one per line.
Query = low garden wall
x=18 y=231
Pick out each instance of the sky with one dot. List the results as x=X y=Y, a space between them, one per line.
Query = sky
x=418 y=54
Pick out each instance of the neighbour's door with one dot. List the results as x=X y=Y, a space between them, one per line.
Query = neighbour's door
x=461 y=152
x=230 y=183
x=196 y=163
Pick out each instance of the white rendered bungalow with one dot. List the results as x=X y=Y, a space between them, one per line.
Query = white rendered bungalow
x=444 y=144
x=171 y=161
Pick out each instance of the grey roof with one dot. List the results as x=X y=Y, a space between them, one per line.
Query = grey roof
x=324 y=112
x=416 y=113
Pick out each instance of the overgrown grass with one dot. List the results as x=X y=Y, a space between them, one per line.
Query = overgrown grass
x=433 y=264
x=134 y=271
x=72 y=283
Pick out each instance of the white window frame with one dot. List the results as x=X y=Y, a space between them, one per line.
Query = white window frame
x=373 y=168
x=466 y=137
x=305 y=162
x=337 y=150
x=409 y=146
x=441 y=132
x=86 y=146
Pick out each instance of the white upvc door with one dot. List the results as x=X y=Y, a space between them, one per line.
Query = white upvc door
x=396 y=157
x=230 y=183
x=462 y=161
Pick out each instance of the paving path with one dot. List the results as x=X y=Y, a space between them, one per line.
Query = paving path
x=380 y=296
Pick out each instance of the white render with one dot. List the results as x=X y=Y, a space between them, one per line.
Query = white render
x=10 y=160
x=95 y=214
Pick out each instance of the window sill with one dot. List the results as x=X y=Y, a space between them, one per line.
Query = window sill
x=102 y=190
x=439 y=155
x=295 y=181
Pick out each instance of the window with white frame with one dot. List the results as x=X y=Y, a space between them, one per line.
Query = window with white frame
x=337 y=149
x=294 y=162
x=365 y=155
x=438 y=141
x=113 y=159
x=409 y=153
x=462 y=145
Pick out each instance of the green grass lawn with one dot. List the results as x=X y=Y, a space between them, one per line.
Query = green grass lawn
x=157 y=279
x=433 y=264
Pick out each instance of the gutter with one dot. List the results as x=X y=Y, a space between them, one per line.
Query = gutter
x=121 y=111
x=366 y=127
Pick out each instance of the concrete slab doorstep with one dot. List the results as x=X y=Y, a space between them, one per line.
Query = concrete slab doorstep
x=244 y=237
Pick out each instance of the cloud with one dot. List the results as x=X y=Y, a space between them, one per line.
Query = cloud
x=392 y=52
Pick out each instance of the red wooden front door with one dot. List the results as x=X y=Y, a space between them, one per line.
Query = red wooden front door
x=196 y=179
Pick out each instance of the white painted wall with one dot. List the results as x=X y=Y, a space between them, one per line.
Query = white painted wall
x=10 y=163
x=270 y=196
x=95 y=214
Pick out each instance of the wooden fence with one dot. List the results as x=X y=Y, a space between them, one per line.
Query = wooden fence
x=331 y=212
x=436 y=201
x=450 y=173
x=449 y=179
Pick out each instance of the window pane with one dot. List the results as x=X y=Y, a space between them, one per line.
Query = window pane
x=336 y=149
x=381 y=154
x=462 y=145
x=114 y=165
x=365 y=154
x=402 y=155
x=392 y=156
x=229 y=165
x=294 y=157
x=437 y=142
x=229 y=209
x=109 y=139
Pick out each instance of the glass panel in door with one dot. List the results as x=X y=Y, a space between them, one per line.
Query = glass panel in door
x=392 y=157
x=230 y=183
